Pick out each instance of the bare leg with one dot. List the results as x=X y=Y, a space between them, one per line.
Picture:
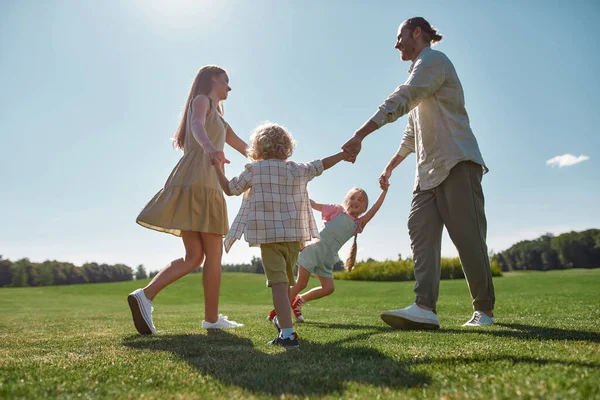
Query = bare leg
x=194 y=255
x=281 y=301
x=301 y=282
x=211 y=275
x=326 y=288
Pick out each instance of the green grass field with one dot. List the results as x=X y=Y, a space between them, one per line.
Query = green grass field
x=79 y=342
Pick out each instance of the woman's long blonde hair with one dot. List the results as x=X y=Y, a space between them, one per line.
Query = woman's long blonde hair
x=351 y=260
x=203 y=84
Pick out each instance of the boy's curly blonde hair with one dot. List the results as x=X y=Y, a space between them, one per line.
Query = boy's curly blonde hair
x=270 y=141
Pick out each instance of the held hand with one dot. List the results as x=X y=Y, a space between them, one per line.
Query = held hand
x=349 y=157
x=384 y=179
x=218 y=158
x=353 y=147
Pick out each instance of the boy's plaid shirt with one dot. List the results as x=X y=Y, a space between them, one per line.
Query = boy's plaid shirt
x=276 y=207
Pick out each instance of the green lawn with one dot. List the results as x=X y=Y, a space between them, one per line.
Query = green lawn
x=79 y=342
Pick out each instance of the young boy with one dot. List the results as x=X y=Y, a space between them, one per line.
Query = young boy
x=275 y=213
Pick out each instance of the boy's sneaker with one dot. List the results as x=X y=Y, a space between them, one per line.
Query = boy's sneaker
x=287 y=343
x=275 y=321
x=297 y=308
x=479 y=319
x=411 y=317
x=222 y=322
x=141 y=311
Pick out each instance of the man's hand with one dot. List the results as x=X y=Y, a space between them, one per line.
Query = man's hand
x=384 y=179
x=352 y=147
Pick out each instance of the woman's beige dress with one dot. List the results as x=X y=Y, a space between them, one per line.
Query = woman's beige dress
x=192 y=199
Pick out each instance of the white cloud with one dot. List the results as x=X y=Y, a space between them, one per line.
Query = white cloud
x=566 y=160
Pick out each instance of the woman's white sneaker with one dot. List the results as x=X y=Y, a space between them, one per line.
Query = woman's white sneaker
x=479 y=319
x=222 y=322
x=141 y=311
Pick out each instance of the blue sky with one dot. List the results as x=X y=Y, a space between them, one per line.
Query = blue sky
x=92 y=92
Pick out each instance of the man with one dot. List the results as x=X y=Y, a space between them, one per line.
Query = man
x=448 y=178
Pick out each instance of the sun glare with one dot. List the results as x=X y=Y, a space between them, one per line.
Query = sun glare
x=175 y=14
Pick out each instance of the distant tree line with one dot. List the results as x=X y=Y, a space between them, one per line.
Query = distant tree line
x=26 y=273
x=255 y=267
x=548 y=252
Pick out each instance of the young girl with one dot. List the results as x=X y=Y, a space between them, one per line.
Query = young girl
x=341 y=223
x=275 y=213
x=191 y=204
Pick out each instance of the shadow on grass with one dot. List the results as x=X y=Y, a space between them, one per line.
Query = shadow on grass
x=500 y=358
x=313 y=369
x=517 y=331
x=530 y=332
x=325 y=368
x=374 y=328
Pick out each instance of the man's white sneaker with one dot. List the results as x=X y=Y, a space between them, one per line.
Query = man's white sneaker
x=141 y=311
x=222 y=322
x=479 y=319
x=411 y=317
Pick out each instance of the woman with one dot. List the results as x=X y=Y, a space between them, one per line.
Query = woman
x=191 y=204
